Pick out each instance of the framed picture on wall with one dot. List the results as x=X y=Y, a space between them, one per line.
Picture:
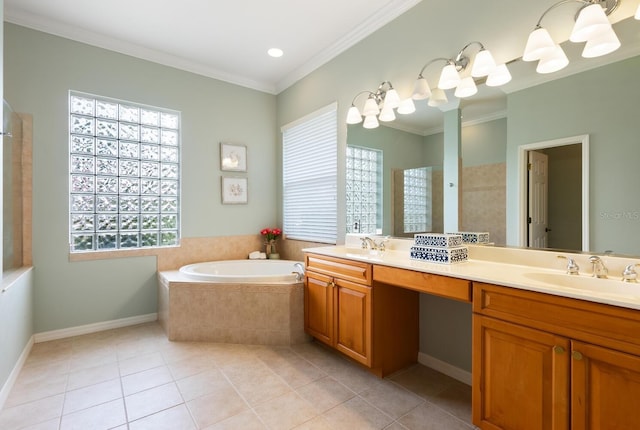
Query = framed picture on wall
x=234 y=190
x=233 y=157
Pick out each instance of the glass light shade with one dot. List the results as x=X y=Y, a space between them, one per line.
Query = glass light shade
x=449 y=78
x=406 y=107
x=499 y=76
x=591 y=21
x=353 y=115
x=392 y=99
x=552 y=63
x=421 y=89
x=370 y=107
x=370 y=121
x=483 y=64
x=538 y=45
x=387 y=114
x=602 y=44
x=637 y=16
x=466 y=88
x=438 y=97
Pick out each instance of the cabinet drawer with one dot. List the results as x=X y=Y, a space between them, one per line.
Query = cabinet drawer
x=606 y=325
x=344 y=269
x=452 y=288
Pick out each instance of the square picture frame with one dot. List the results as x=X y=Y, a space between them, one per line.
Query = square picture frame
x=233 y=157
x=234 y=190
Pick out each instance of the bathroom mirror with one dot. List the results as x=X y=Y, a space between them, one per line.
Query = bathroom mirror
x=597 y=101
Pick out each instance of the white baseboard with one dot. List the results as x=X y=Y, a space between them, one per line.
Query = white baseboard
x=13 y=376
x=444 y=367
x=93 y=328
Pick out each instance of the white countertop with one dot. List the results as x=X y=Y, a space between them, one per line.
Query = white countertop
x=531 y=270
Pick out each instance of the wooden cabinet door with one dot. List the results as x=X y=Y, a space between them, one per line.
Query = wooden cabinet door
x=353 y=320
x=520 y=377
x=318 y=307
x=605 y=389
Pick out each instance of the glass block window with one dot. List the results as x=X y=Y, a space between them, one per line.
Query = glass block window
x=364 y=190
x=124 y=167
x=417 y=200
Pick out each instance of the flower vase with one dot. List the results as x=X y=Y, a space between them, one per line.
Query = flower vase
x=271 y=251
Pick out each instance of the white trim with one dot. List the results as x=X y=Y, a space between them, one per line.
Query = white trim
x=93 y=328
x=13 y=376
x=444 y=367
x=522 y=183
x=328 y=108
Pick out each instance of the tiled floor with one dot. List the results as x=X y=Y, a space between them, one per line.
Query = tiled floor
x=134 y=378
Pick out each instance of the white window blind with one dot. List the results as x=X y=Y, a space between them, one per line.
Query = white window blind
x=310 y=176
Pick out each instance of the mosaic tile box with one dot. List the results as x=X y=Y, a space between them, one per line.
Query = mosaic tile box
x=439 y=255
x=438 y=240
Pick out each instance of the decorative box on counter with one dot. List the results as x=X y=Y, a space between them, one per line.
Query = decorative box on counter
x=473 y=237
x=439 y=255
x=438 y=240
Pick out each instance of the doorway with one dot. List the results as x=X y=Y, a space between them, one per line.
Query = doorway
x=554 y=194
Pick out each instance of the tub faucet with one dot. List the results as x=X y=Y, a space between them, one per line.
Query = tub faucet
x=599 y=269
x=300 y=272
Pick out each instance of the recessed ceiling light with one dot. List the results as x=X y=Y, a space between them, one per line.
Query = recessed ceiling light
x=275 y=52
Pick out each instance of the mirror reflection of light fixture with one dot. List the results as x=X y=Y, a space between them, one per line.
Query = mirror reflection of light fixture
x=379 y=106
x=591 y=26
x=483 y=66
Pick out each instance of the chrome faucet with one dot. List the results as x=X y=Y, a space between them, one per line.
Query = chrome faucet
x=599 y=269
x=300 y=272
x=369 y=243
x=572 y=267
x=629 y=274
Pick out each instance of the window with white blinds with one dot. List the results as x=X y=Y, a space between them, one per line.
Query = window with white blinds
x=309 y=173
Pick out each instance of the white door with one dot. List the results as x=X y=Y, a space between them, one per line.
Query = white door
x=538 y=195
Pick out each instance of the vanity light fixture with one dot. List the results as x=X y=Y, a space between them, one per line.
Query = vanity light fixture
x=483 y=66
x=591 y=26
x=379 y=106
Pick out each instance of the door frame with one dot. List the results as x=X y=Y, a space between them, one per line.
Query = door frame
x=522 y=183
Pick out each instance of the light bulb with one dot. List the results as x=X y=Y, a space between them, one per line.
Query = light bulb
x=421 y=89
x=353 y=115
x=449 y=78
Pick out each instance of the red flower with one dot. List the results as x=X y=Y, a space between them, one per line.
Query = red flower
x=271 y=233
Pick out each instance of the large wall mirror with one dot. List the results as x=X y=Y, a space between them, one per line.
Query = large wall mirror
x=600 y=102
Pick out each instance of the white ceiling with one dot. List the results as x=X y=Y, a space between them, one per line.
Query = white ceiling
x=226 y=40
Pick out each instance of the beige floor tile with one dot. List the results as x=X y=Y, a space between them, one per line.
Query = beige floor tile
x=429 y=417
x=140 y=363
x=93 y=375
x=146 y=379
x=391 y=399
x=353 y=376
x=177 y=351
x=395 y=426
x=176 y=418
x=53 y=424
x=92 y=395
x=222 y=403
x=45 y=386
x=134 y=348
x=43 y=370
x=317 y=423
x=91 y=358
x=423 y=381
x=228 y=354
x=246 y=421
x=455 y=399
x=190 y=366
x=154 y=400
x=32 y=413
x=100 y=417
x=357 y=414
x=255 y=381
x=295 y=370
x=285 y=412
x=202 y=384
x=325 y=394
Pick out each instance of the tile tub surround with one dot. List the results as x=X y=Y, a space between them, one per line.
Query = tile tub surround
x=135 y=378
x=232 y=313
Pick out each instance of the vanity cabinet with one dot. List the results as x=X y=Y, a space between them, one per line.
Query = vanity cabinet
x=546 y=362
x=372 y=323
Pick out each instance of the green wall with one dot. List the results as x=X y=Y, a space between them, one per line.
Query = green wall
x=603 y=104
x=40 y=69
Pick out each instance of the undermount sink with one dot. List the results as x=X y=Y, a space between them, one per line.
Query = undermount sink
x=607 y=287
x=364 y=252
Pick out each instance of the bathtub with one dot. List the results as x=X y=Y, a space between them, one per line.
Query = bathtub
x=244 y=271
x=233 y=301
